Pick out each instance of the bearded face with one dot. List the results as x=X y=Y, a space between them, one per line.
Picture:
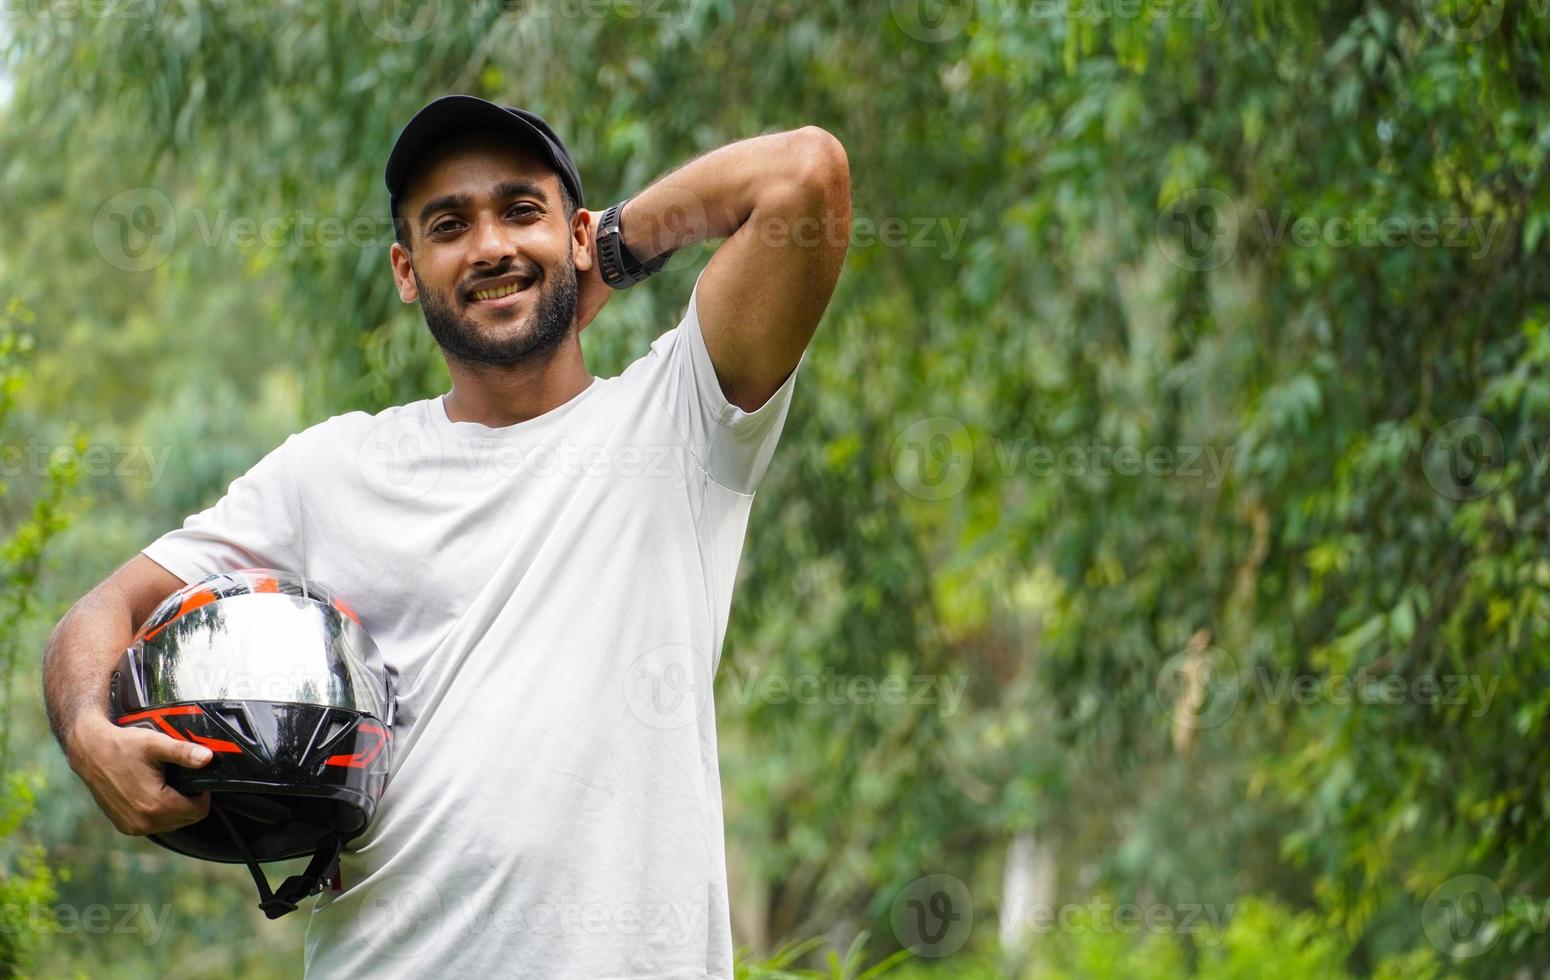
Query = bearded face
x=487 y=246
x=503 y=316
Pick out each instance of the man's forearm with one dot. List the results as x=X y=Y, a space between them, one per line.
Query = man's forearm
x=79 y=659
x=713 y=195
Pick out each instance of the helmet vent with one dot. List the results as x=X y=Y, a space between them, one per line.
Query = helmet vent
x=336 y=727
x=237 y=718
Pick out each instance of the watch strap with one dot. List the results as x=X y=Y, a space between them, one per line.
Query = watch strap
x=618 y=267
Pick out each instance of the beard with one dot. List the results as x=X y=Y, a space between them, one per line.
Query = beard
x=462 y=338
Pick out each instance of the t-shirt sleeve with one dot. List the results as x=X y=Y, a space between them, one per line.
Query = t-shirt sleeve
x=732 y=446
x=252 y=526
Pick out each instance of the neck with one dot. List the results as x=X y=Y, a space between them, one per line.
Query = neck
x=499 y=395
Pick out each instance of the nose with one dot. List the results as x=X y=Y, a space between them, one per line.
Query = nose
x=493 y=243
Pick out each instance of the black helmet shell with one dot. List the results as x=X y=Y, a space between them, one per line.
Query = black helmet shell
x=277 y=677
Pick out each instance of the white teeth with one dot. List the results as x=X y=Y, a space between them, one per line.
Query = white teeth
x=498 y=292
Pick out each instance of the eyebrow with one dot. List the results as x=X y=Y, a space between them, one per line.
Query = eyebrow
x=503 y=190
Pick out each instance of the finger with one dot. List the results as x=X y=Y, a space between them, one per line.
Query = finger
x=175 y=810
x=164 y=748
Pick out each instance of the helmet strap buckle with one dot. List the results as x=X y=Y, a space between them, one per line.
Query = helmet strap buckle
x=283 y=899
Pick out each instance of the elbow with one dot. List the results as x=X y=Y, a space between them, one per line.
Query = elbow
x=822 y=165
x=816 y=189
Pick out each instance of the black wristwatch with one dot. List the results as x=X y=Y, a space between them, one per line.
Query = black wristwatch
x=619 y=268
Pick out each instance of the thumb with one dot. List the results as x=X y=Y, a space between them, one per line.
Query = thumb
x=164 y=748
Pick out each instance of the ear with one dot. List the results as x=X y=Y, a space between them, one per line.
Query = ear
x=584 y=238
x=403 y=273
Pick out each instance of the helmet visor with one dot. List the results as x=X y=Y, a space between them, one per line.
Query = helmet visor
x=265 y=647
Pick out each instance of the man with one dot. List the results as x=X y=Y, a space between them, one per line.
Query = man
x=545 y=558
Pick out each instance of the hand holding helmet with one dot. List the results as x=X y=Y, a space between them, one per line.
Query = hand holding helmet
x=276 y=678
x=123 y=768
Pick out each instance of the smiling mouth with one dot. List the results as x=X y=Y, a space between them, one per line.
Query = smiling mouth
x=493 y=293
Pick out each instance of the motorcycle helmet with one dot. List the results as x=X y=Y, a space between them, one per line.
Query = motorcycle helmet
x=277 y=677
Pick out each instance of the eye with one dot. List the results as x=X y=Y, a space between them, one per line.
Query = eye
x=524 y=209
x=442 y=227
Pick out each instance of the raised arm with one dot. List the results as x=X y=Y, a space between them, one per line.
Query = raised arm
x=782 y=202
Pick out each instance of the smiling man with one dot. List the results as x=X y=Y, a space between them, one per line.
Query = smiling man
x=545 y=558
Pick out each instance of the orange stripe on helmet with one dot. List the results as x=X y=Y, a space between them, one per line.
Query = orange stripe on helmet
x=201 y=598
x=343 y=607
x=215 y=744
x=360 y=760
x=158 y=715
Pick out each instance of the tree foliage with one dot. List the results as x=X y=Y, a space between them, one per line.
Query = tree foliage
x=1185 y=385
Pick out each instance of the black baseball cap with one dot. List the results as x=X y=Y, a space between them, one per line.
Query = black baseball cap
x=452 y=114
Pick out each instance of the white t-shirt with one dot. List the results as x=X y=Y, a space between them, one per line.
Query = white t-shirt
x=553 y=597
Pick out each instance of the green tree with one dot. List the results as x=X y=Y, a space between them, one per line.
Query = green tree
x=26 y=878
x=1294 y=247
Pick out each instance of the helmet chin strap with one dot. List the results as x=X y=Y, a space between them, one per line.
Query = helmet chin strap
x=296 y=887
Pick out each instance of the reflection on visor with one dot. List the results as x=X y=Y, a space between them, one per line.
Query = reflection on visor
x=265 y=647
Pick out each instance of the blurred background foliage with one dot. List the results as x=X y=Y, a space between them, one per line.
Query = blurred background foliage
x=1094 y=251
